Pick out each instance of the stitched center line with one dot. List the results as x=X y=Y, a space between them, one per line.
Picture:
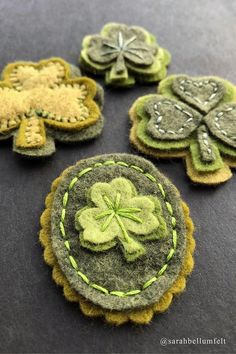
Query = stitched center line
x=199 y=85
x=72 y=260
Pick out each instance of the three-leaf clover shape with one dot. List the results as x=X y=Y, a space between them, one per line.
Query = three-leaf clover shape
x=45 y=95
x=117 y=214
x=123 y=52
x=198 y=114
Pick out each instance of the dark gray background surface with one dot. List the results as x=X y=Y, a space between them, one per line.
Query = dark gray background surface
x=34 y=316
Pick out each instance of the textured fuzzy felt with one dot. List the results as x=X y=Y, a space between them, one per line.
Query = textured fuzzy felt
x=124 y=55
x=50 y=96
x=143 y=316
x=105 y=279
x=155 y=118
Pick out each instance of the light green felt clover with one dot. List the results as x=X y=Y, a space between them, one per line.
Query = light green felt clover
x=124 y=54
x=117 y=214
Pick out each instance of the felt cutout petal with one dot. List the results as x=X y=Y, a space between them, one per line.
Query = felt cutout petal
x=125 y=188
x=157 y=70
x=118 y=185
x=27 y=75
x=140 y=54
x=202 y=93
x=170 y=120
x=100 y=51
x=110 y=30
x=148 y=222
x=222 y=123
x=97 y=193
x=12 y=107
x=94 y=232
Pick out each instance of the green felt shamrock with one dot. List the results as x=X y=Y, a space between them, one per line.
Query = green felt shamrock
x=117 y=214
x=196 y=115
x=124 y=53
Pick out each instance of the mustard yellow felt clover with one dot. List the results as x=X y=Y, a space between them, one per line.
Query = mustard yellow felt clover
x=118 y=237
x=44 y=101
x=125 y=55
x=193 y=118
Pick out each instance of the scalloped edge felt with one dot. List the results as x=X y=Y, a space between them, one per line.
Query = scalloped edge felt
x=142 y=316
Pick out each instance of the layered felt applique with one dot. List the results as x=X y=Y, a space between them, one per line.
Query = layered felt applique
x=44 y=101
x=192 y=118
x=124 y=55
x=118 y=237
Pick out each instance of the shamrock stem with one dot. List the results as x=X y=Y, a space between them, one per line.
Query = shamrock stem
x=205 y=144
x=132 y=248
x=120 y=64
x=31 y=133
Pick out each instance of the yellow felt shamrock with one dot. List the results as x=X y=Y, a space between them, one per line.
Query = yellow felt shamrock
x=45 y=100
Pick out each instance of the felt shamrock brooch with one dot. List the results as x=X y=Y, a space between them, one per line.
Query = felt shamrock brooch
x=44 y=101
x=118 y=237
x=192 y=118
x=124 y=55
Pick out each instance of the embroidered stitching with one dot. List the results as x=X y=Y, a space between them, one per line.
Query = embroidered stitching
x=199 y=84
x=205 y=144
x=159 y=118
x=34 y=94
x=219 y=116
x=119 y=215
x=67 y=244
x=8 y=122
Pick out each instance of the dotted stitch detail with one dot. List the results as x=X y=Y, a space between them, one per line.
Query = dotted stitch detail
x=159 y=118
x=205 y=140
x=67 y=244
x=219 y=116
x=33 y=131
x=199 y=84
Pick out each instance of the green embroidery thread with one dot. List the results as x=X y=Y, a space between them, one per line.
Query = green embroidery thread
x=117 y=213
x=72 y=260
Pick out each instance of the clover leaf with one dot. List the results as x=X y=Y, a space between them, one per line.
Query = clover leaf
x=122 y=53
x=117 y=214
x=195 y=114
x=36 y=97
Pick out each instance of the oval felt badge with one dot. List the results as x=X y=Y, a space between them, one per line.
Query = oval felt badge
x=118 y=236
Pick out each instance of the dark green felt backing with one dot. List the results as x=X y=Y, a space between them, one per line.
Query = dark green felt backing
x=109 y=269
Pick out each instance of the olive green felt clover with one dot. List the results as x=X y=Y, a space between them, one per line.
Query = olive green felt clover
x=124 y=55
x=193 y=118
x=48 y=100
x=118 y=237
